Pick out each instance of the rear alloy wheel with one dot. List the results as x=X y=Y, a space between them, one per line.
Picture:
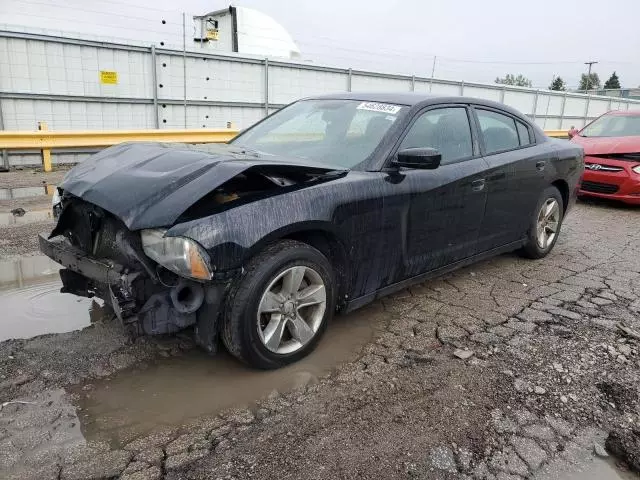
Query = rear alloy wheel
x=545 y=226
x=277 y=312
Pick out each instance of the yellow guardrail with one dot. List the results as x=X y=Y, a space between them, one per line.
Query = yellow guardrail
x=44 y=139
x=557 y=133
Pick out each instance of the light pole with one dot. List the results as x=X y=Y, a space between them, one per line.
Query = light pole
x=588 y=84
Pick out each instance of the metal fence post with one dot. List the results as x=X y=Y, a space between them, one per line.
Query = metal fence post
x=461 y=88
x=502 y=92
x=184 y=65
x=5 y=152
x=413 y=83
x=154 y=79
x=266 y=86
x=546 y=112
x=564 y=102
x=349 y=79
x=586 y=110
x=535 y=106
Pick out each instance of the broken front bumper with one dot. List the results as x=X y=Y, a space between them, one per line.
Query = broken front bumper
x=137 y=300
x=87 y=277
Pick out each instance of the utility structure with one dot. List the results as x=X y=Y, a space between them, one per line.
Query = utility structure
x=588 y=85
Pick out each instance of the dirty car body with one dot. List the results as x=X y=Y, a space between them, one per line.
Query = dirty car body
x=407 y=187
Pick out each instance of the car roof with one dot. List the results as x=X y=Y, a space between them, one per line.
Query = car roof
x=413 y=99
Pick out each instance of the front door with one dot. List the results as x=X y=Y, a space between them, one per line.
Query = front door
x=438 y=212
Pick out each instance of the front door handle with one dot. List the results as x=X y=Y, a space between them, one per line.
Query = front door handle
x=478 y=185
x=540 y=165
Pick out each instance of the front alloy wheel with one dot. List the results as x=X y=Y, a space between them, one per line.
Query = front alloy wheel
x=277 y=312
x=291 y=310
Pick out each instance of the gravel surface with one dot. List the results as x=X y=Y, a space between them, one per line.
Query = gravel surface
x=40 y=202
x=497 y=371
x=32 y=177
x=22 y=240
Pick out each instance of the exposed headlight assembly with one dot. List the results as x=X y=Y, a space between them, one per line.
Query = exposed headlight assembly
x=178 y=254
x=636 y=169
x=56 y=203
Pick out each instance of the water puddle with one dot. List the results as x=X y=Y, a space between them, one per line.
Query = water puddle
x=32 y=216
x=25 y=192
x=178 y=389
x=31 y=302
x=596 y=468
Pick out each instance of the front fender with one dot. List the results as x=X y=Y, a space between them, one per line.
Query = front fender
x=232 y=236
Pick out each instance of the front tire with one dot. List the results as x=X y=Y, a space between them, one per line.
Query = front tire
x=278 y=311
x=545 y=224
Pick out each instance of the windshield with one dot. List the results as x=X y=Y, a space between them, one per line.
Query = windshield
x=613 y=126
x=342 y=133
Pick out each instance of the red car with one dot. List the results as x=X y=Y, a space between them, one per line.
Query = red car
x=612 y=157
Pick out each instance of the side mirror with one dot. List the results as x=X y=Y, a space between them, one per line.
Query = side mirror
x=424 y=158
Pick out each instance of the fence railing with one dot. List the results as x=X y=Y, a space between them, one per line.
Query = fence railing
x=44 y=140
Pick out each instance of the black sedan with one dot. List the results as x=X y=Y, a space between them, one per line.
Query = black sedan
x=322 y=207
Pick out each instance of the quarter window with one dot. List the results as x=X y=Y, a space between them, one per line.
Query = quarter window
x=523 y=133
x=498 y=130
x=445 y=129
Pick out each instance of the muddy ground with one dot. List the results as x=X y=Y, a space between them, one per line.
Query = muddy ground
x=508 y=369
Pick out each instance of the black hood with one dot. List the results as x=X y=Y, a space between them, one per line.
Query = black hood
x=150 y=185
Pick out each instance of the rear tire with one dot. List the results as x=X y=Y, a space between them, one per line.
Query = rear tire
x=545 y=224
x=289 y=282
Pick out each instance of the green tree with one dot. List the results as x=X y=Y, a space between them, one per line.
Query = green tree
x=613 y=82
x=518 y=81
x=588 y=82
x=557 y=84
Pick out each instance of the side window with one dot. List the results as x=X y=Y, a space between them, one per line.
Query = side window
x=445 y=129
x=523 y=133
x=498 y=130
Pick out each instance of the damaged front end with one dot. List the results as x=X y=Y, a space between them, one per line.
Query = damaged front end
x=135 y=273
x=113 y=210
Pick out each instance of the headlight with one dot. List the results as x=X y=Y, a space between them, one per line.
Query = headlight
x=56 y=203
x=636 y=169
x=55 y=199
x=180 y=255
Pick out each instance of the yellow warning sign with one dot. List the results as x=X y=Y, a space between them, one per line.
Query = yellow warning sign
x=212 y=34
x=108 y=77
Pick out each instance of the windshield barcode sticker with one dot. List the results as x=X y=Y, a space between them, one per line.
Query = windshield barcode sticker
x=379 y=107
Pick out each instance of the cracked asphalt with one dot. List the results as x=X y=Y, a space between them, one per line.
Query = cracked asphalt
x=504 y=370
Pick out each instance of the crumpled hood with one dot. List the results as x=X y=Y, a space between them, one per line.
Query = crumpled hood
x=151 y=184
x=608 y=145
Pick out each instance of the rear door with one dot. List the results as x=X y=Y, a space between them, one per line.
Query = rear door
x=515 y=178
x=439 y=211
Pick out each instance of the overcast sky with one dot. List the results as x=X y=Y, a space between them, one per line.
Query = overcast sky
x=474 y=40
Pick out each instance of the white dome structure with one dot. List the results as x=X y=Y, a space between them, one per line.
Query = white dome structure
x=246 y=31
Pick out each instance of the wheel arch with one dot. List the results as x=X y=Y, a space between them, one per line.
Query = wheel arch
x=323 y=238
x=563 y=188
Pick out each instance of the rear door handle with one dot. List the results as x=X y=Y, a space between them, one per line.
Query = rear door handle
x=477 y=185
x=540 y=165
